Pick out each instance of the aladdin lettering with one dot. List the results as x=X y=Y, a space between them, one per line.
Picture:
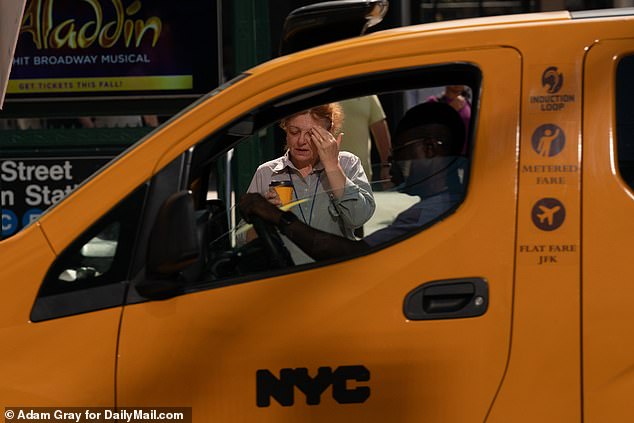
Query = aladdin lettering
x=39 y=21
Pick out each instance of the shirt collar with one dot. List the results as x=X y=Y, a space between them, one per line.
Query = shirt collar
x=285 y=162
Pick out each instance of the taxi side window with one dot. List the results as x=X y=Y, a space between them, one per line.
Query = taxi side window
x=422 y=179
x=625 y=118
x=102 y=254
x=91 y=272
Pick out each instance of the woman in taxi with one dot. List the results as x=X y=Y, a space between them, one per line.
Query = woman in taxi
x=336 y=192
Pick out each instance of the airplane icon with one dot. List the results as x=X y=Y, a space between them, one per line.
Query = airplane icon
x=547 y=214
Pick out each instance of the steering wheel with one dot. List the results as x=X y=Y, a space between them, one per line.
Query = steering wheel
x=275 y=249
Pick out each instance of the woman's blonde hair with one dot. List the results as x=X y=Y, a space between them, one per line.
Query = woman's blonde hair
x=331 y=112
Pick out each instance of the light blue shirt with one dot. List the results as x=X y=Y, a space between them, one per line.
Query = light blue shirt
x=339 y=216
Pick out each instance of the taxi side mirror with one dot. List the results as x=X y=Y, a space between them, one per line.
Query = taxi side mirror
x=174 y=245
x=329 y=21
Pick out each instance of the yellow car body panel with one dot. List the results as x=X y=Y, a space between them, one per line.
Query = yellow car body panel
x=554 y=344
x=63 y=362
x=337 y=310
x=607 y=209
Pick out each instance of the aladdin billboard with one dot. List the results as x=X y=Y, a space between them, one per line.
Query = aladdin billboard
x=105 y=48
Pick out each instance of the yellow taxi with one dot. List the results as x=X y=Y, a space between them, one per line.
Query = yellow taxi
x=139 y=288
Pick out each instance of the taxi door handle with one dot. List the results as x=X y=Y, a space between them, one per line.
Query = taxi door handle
x=447 y=299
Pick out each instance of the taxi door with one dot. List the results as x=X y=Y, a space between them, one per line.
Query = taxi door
x=608 y=230
x=332 y=342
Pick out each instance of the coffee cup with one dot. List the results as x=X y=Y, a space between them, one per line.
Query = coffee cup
x=284 y=190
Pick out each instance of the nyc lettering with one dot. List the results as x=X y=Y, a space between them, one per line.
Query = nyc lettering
x=552 y=249
x=282 y=389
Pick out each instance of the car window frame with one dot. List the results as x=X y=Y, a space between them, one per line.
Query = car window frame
x=434 y=75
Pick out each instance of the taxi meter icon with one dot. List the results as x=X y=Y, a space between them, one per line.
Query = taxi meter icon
x=548 y=140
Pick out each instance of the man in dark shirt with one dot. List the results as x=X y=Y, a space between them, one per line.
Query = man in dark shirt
x=427 y=162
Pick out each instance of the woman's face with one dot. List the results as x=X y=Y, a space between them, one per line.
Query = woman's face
x=301 y=148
